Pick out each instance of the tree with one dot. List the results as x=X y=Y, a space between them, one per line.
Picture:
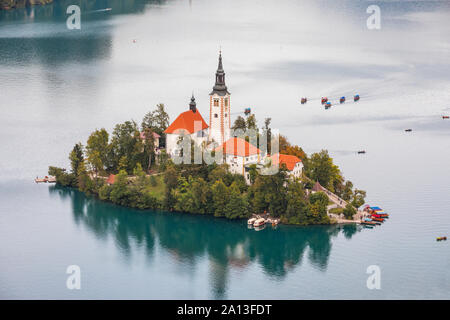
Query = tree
x=268 y=133
x=239 y=123
x=297 y=206
x=76 y=157
x=221 y=197
x=237 y=206
x=156 y=120
x=126 y=143
x=119 y=192
x=251 y=122
x=347 y=192
x=320 y=167
x=149 y=146
x=358 y=198
x=349 y=211
x=171 y=182
x=97 y=150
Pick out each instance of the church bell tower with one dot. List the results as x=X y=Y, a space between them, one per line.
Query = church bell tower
x=219 y=108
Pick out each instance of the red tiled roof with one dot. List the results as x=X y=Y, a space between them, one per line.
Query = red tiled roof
x=288 y=160
x=111 y=179
x=238 y=147
x=186 y=121
x=155 y=135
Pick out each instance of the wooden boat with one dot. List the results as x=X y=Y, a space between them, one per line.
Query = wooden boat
x=259 y=222
x=377 y=219
x=441 y=238
x=356 y=97
x=324 y=100
x=303 y=100
x=251 y=221
x=342 y=100
x=327 y=105
x=408 y=130
x=361 y=151
x=445 y=117
x=368 y=223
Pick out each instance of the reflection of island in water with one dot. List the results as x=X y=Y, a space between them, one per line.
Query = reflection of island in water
x=187 y=238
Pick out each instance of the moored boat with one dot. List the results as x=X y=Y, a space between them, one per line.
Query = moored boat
x=377 y=219
x=259 y=222
x=441 y=238
x=251 y=221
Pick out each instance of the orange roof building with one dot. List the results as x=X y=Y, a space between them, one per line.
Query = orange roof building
x=292 y=163
x=111 y=179
x=187 y=123
x=238 y=147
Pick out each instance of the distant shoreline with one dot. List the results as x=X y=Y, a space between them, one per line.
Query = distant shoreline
x=19 y=4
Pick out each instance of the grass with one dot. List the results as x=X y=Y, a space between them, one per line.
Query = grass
x=336 y=210
x=157 y=190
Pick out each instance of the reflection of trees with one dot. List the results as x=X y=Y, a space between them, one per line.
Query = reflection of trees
x=187 y=238
x=57 y=45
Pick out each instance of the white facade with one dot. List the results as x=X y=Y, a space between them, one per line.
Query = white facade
x=219 y=118
x=172 y=140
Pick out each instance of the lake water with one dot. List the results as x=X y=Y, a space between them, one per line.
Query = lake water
x=58 y=85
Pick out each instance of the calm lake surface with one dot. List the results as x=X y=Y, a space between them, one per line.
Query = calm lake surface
x=58 y=85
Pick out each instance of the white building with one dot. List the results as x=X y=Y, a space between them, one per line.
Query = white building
x=219 y=108
x=293 y=164
x=187 y=123
x=239 y=154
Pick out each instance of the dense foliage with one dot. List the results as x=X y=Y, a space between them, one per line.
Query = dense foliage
x=146 y=180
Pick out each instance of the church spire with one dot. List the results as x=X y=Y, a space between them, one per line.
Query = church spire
x=220 y=88
x=193 y=104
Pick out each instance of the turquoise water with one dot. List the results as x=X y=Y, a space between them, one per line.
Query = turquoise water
x=58 y=85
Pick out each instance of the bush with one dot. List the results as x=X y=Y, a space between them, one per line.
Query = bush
x=349 y=211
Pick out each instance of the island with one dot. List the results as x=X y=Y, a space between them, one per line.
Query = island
x=138 y=165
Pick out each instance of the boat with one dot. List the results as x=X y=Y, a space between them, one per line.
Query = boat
x=304 y=100
x=445 y=117
x=356 y=97
x=251 y=221
x=361 y=151
x=408 y=130
x=342 y=100
x=259 y=222
x=327 y=105
x=324 y=100
x=377 y=219
x=368 y=223
x=441 y=238
x=247 y=111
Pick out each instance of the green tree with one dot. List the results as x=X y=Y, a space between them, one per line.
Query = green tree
x=297 y=205
x=320 y=167
x=171 y=183
x=156 y=120
x=349 y=211
x=237 y=206
x=239 y=123
x=76 y=157
x=119 y=192
x=126 y=143
x=220 y=194
x=97 y=150
x=358 y=198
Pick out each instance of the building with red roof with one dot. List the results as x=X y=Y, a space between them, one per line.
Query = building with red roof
x=238 y=154
x=111 y=179
x=292 y=163
x=188 y=123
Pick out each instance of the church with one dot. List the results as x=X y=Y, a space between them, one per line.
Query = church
x=192 y=123
x=238 y=153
